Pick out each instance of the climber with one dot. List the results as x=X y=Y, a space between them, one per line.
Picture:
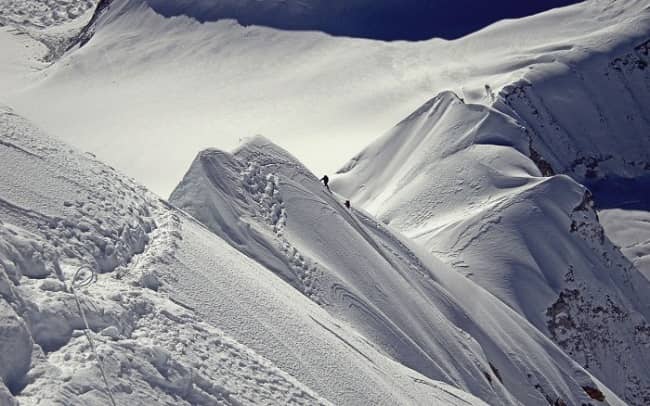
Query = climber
x=326 y=180
x=347 y=204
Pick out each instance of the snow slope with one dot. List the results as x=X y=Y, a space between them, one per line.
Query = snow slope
x=140 y=69
x=406 y=303
x=175 y=315
x=463 y=181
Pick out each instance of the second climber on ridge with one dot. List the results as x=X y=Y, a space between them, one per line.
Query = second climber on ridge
x=326 y=180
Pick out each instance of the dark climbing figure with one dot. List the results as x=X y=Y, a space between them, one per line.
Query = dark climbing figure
x=326 y=180
x=347 y=204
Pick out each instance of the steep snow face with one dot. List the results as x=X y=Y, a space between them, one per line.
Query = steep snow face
x=425 y=149
x=296 y=88
x=464 y=180
x=574 y=123
x=151 y=316
x=577 y=129
x=460 y=179
x=404 y=302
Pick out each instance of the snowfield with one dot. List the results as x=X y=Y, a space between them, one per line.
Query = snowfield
x=495 y=252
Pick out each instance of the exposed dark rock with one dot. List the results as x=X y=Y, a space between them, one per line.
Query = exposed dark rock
x=496 y=373
x=594 y=393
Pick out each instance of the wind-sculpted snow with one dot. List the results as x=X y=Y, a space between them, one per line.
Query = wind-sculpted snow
x=463 y=181
x=156 y=302
x=596 y=131
x=403 y=301
x=579 y=130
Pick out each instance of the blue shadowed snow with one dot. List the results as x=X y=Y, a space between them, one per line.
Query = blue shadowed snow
x=384 y=20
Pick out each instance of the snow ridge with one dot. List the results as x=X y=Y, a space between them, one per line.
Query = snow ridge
x=149 y=347
x=405 y=303
x=469 y=187
x=166 y=291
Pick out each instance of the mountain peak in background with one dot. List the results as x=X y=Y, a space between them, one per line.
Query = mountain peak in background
x=382 y=20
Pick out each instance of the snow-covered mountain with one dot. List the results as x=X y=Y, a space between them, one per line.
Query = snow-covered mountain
x=405 y=302
x=458 y=179
x=496 y=249
x=297 y=88
x=474 y=184
x=175 y=315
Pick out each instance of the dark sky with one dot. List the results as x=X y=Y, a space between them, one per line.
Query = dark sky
x=378 y=19
x=447 y=18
